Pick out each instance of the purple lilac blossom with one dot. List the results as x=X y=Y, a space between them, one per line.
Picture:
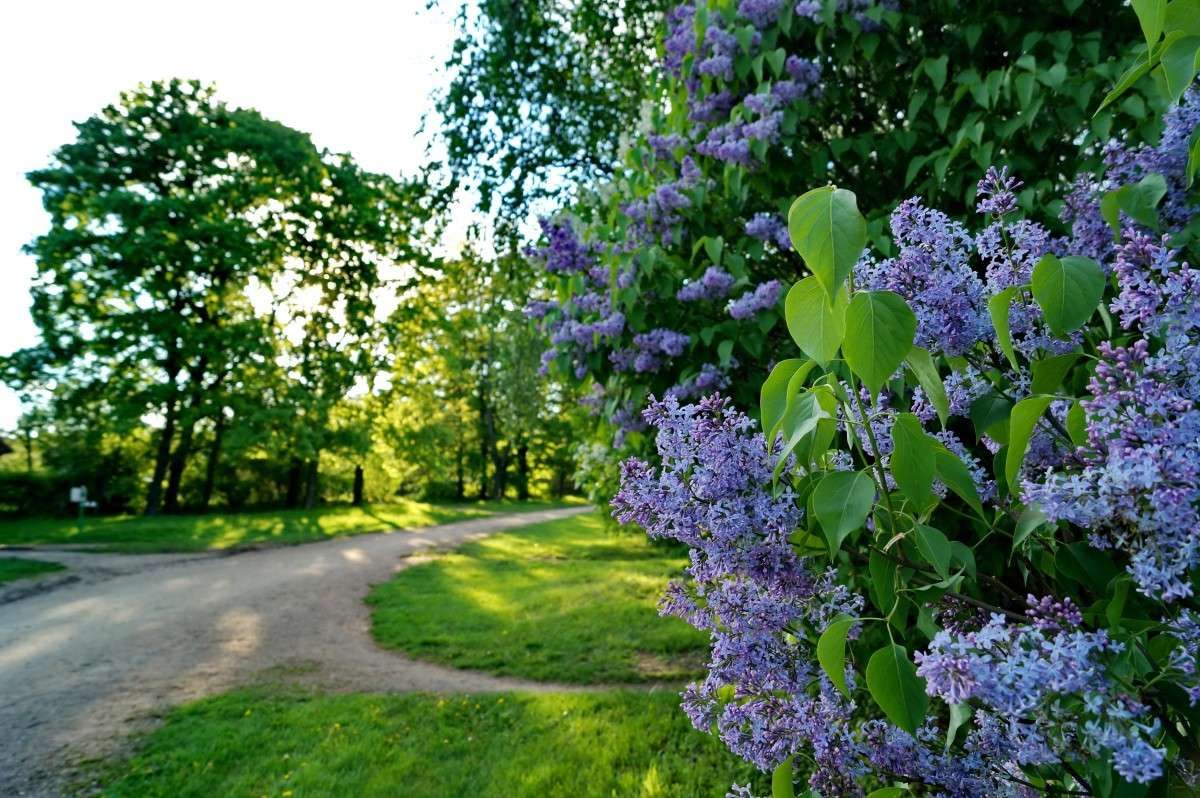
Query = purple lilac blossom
x=933 y=273
x=995 y=192
x=761 y=604
x=564 y=252
x=710 y=379
x=1138 y=489
x=1090 y=233
x=1044 y=679
x=716 y=283
x=760 y=13
x=754 y=302
x=769 y=227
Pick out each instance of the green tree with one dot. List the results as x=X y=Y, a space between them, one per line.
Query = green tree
x=540 y=95
x=165 y=208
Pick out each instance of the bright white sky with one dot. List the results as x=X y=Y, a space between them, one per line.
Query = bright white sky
x=355 y=74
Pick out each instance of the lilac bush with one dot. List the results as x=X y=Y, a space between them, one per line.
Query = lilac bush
x=949 y=546
x=862 y=557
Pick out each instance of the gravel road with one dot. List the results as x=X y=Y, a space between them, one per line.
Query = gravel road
x=104 y=651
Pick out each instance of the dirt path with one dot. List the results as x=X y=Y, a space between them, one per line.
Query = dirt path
x=91 y=660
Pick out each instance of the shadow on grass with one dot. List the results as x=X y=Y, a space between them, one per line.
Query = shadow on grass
x=555 y=602
x=279 y=742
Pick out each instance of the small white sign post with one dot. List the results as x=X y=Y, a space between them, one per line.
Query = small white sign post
x=79 y=496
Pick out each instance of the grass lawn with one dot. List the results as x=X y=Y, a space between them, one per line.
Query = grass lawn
x=564 y=601
x=138 y=534
x=14 y=568
x=272 y=743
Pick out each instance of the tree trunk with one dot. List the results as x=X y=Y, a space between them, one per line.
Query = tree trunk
x=523 y=471
x=161 y=460
x=460 y=486
x=358 y=486
x=29 y=449
x=175 y=470
x=484 y=448
x=500 y=461
x=295 y=474
x=310 y=485
x=210 y=468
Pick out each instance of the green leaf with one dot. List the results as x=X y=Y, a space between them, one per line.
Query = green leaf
x=817 y=326
x=989 y=414
x=959 y=714
x=725 y=352
x=921 y=363
x=829 y=233
x=713 y=247
x=955 y=476
x=888 y=792
x=998 y=308
x=773 y=396
x=893 y=683
x=1068 y=290
x=880 y=329
x=912 y=460
x=1031 y=518
x=935 y=68
x=1077 y=423
x=1151 y=14
x=781 y=780
x=831 y=651
x=841 y=502
x=1024 y=419
x=1193 y=162
x=1139 y=70
x=1179 y=64
x=1048 y=372
x=799 y=419
x=934 y=548
x=883 y=576
x=1139 y=201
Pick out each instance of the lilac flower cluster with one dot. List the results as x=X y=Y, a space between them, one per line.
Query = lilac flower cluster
x=1140 y=485
x=761 y=605
x=813 y=10
x=1045 y=688
x=653 y=217
x=765 y=296
x=933 y=273
x=710 y=379
x=760 y=13
x=1009 y=251
x=1090 y=233
x=995 y=192
x=716 y=283
x=749 y=586
x=650 y=351
x=769 y=227
x=564 y=251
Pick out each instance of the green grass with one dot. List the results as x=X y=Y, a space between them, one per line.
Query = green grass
x=564 y=601
x=139 y=534
x=14 y=568
x=294 y=745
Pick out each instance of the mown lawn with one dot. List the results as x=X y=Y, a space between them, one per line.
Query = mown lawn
x=14 y=568
x=139 y=534
x=292 y=745
x=564 y=601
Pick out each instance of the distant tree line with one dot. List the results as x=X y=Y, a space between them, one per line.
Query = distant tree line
x=231 y=316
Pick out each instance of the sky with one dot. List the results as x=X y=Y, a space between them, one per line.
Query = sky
x=355 y=75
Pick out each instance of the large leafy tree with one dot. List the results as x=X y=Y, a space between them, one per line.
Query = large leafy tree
x=541 y=93
x=210 y=269
x=163 y=210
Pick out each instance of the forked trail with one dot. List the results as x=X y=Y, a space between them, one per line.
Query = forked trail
x=84 y=664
